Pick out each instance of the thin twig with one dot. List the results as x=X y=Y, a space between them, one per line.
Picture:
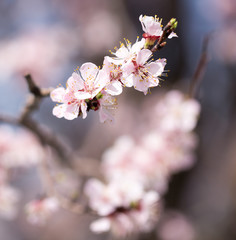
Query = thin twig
x=201 y=67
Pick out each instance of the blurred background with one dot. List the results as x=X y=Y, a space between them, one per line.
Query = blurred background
x=49 y=39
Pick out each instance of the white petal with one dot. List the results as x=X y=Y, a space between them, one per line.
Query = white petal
x=71 y=112
x=81 y=95
x=59 y=110
x=172 y=35
x=143 y=56
x=57 y=95
x=84 y=109
x=104 y=115
x=102 y=80
x=101 y=225
x=88 y=71
x=114 y=88
x=75 y=82
x=93 y=188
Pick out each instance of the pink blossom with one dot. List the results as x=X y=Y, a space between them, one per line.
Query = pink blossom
x=128 y=158
x=142 y=74
x=13 y=152
x=175 y=226
x=8 y=200
x=126 y=53
x=115 y=74
x=177 y=112
x=38 y=211
x=124 y=206
x=152 y=27
x=107 y=104
x=70 y=106
x=89 y=82
x=82 y=88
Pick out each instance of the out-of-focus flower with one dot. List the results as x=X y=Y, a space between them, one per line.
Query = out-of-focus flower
x=8 y=199
x=43 y=52
x=124 y=206
x=223 y=47
x=175 y=112
x=65 y=181
x=127 y=158
x=39 y=211
x=175 y=226
x=13 y=152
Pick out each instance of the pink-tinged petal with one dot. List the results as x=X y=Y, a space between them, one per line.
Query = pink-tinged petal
x=172 y=35
x=94 y=188
x=101 y=225
x=75 y=82
x=81 y=95
x=88 y=71
x=72 y=112
x=155 y=68
x=122 y=52
x=84 y=109
x=153 y=81
x=114 y=88
x=141 y=20
x=137 y=46
x=143 y=56
x=105 y=115
x=128 y=81
x=59 y=110
x=57 y=95
x=140 y=84
x=127 y=69
x=102 y=80
x=69 y=96
x=150 y=198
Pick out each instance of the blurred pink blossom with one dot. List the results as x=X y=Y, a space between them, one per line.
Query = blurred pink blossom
x=13 y=150
x=9 y=197
x=38 y=211
x=175 y=226
x=124 y=206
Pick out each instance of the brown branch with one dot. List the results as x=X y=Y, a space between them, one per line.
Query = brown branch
x=200 y=70
x=167 y=30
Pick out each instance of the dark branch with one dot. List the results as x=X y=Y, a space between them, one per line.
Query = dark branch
x=201 y=67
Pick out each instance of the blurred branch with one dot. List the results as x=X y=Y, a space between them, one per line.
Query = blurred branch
x=201 y=67
x=33 y=101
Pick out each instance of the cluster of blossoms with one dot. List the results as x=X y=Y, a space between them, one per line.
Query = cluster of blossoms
x=15 y=154
x=138 y=171
x=92 y=88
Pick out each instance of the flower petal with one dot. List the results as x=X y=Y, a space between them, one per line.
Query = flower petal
x=59 y=110
x=75 y=82
x=57 y=95
x=143 y=56
x=101 y=225
x=71 y=112
x=88 y=71
x=114 y=88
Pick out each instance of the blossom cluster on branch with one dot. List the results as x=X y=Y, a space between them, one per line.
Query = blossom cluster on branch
x=92 y=88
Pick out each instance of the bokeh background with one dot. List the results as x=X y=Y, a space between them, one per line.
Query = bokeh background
x=49 y=39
